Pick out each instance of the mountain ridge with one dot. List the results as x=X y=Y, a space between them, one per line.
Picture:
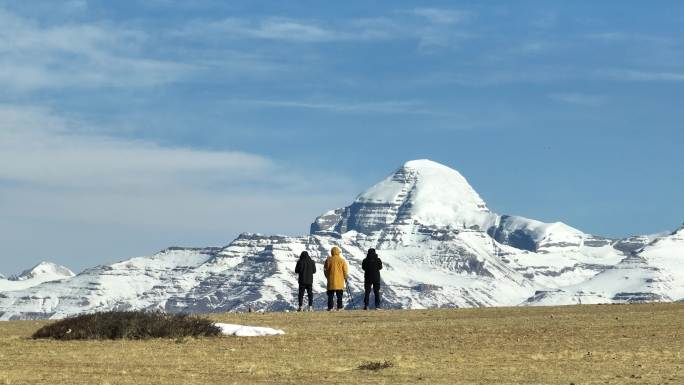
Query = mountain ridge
x=441 y=245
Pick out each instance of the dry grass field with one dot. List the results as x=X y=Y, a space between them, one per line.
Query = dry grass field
x=611 y=344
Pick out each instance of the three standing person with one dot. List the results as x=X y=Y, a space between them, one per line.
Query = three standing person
x=306 y=268
x=371 y=266
x=336 y=271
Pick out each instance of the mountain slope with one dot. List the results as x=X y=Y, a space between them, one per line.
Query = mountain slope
x=667 y=254
x=651 y=273
x=440 y=244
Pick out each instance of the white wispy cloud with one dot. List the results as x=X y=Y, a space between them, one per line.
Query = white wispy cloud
x=442 y=16
x=81 y=199
x=533 y=46
x=425 y=25
x=35 y=56
x=577 y=98
x=299 y=30
x=50 y=171
x=384 y=107
x=459 y=118
x=629 y=37
x=642 y=75
x=545 y=19
x=488 y=77
x=272 y=28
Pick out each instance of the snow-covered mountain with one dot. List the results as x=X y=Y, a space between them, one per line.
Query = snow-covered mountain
x=42 y=272
x=440 y=244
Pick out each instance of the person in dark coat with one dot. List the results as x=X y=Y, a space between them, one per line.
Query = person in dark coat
x=306 y=268
x=371 y=266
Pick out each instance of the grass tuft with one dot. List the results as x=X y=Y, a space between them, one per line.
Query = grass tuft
x=133 y=325
x=376 y=365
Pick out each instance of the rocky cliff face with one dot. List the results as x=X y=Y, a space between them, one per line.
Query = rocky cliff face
x=440 y=244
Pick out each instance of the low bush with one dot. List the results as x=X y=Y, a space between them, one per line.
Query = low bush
x=376 y=365
x=134 y=325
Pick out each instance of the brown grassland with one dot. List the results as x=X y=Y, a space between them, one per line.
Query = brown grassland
x=609 y=344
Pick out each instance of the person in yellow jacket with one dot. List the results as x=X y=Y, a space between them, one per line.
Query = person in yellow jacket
x=336 y=271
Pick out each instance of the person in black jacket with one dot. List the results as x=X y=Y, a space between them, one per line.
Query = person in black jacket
x=306 y=268
x=371 y=266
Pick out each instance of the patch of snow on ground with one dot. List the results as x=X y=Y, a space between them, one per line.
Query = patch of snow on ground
x=247 y=331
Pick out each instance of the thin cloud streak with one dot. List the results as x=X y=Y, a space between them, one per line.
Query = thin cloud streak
x=385 y=107
x=271 y=29
x=580 y=99
x=644 y=76
x=499 y=76
x=288 y=30
x=442 y=16
x=458 y=119
x=624 y=37
x=425 y=25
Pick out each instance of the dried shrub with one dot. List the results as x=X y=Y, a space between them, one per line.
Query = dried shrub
x=375 y=365
x=133 y=325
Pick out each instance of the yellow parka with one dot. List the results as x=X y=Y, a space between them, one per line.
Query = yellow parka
x=336 y=270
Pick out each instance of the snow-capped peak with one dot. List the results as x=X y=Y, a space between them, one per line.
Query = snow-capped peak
x=429 y=180
x=421 y=191
x=44 y=270
x=427 y=164
x=430 y=193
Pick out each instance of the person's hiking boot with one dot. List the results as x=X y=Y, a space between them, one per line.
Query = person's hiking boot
x=365 y=308
x=310 y=308
x=299 y=308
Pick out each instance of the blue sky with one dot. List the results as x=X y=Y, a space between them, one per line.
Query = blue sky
x=130 y=126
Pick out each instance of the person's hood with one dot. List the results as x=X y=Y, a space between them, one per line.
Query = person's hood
x=304 y=256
